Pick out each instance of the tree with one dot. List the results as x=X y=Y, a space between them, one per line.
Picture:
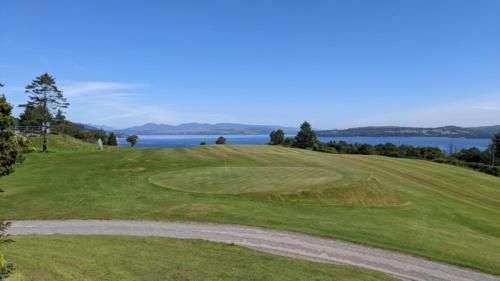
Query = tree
x=10 y=149
x=32 y=116
x=221 y=140
x=306 y=137
x=277 y=137
x=472 y=154
x=60 y=118
x=365 y=149
x=94 y=135
x=132 y=140
x=112 y=139
x=45 y=95
x=10 y=153
x=495 y=145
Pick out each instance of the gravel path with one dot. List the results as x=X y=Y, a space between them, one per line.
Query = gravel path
x=277 y=242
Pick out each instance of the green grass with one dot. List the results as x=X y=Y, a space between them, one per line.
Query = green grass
x=63 y=143
x=133 y=258
x=438 y=211
x=234 y=180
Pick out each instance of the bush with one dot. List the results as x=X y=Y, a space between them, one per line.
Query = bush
x=288 y=141
x=25 y=144
x=203 y=143
x=488 y=169
x=221 y=140
x=324 y=147
x=6 y=270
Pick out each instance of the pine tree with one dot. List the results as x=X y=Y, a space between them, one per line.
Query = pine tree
x=112 y=139
x=306 y=137
x=44 y=94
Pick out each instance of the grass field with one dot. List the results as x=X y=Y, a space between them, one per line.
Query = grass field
x=423 y=208
x=132 y=258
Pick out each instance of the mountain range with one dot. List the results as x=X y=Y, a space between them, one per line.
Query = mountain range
x=394 y=131
x=203 y=129
x=243 y=129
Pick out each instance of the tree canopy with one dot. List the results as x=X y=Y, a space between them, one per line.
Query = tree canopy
x=277 y=137
x=306 y=137
x=45 y=96
x=220 y=140
x=10 y=148
x=112 y=139
x=132 y=140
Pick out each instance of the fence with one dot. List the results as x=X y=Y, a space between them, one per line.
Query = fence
x=28 y=130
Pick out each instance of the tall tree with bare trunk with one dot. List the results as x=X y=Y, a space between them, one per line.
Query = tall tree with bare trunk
x=44 y=94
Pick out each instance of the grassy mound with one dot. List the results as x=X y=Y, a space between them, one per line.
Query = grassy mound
x=133 y=258
x=434 y=210
x=62 y=143
x=234 y=180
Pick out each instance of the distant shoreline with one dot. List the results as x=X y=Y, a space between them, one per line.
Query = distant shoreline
x=178 y=141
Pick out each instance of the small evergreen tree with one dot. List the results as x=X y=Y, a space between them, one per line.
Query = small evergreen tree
x=44 y=94
x=306 y=137
x=10 y=149
x=112 y=140
x=221 y=140
x=132 y=140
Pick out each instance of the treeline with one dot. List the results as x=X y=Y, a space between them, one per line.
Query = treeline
x=43 y=114
x=485 y=161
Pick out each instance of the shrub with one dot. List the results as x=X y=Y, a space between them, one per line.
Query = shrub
x=6 y=270
x=221 y=140
x=289 y=141
x=488 y=169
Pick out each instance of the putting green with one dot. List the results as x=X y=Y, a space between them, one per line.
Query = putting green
x=235 y=180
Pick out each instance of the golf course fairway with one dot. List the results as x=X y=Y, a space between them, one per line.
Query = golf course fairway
x=438 y=211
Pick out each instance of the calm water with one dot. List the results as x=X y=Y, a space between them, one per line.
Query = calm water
x=194 y=140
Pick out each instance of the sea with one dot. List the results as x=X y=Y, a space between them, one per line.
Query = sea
x=177 y=141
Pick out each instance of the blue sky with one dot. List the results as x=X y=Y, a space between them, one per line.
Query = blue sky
x=336 y=64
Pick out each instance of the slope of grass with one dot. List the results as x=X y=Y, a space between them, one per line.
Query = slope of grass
x=132 y=258
x=62 y=143
x=433 y=210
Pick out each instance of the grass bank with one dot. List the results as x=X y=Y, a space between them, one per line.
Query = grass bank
x=133 y=258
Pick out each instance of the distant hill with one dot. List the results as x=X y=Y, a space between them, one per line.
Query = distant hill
x=92 y=127
x=394 y=131
x=204 y=129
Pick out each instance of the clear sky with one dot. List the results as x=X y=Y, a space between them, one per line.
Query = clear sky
x=336 y=64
